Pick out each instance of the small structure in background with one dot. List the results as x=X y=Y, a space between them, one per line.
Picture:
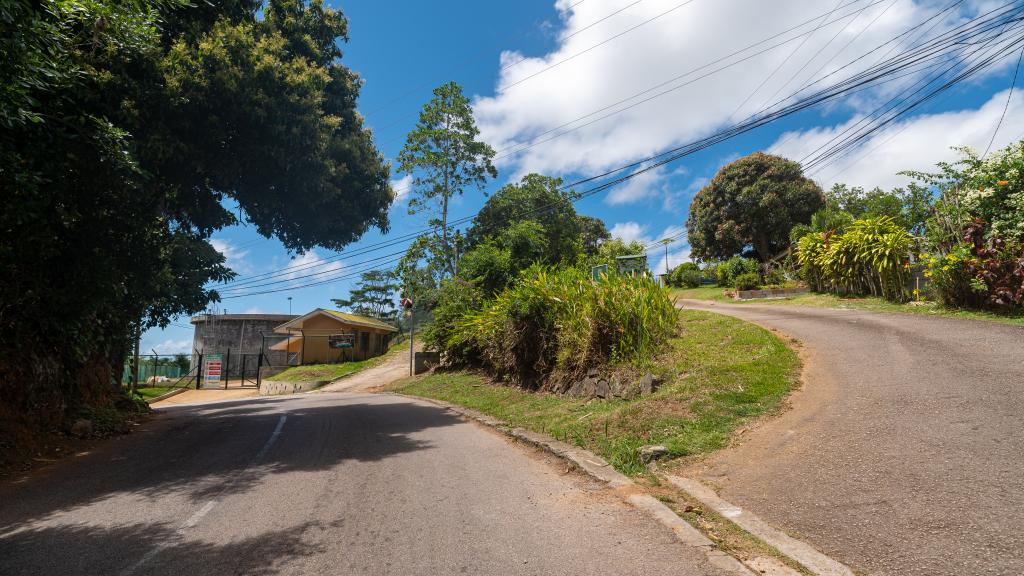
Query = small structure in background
x=241 y=334
x=328 y=336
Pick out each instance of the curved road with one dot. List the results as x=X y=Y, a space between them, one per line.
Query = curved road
x=903 y=454
x=329 y=483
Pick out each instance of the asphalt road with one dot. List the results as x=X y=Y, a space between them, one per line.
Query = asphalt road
x=326 y=483
x=904 y=452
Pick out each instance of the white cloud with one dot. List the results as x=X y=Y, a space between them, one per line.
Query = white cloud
x=254 y=310
x=588 y=77
x=172 y=346
x=304 y=266
x=234 y=256
x=916 y=143
x=402 y=186
x=629 y=231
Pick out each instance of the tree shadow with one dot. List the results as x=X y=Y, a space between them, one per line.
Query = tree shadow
x=201 y=452
x=149 y=549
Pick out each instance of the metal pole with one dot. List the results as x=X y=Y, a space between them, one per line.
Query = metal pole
x=135 y=362
x=199 y=371
x=227 y=369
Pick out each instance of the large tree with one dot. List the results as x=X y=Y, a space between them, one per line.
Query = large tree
x=129 y=127
x=750 y=206
x=374 y=295
x=443 y=156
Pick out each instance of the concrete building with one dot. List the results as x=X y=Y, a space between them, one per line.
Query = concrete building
x=237 y=335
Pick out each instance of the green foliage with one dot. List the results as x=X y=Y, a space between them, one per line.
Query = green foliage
x=374 y=296
x=609 y=252
x=129 y=126
x=443 y=156
x=488 y=267
x=982 y=271
x=871 y=258
x=686 y=275
x=753 y=202
x=909 y=207
x=747 y=281
x=456 y=299
x=727 y=272
x=559 y=322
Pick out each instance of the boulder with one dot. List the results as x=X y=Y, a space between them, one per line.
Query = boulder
x=652 y=453
x=601 y=389
x=82 y=428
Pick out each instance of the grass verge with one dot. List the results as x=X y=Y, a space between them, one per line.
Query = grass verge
x=719 y=372
x=322 y=372
x=150 y=392
x=868 y=303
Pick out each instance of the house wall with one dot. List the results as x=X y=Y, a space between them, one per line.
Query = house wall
x=238 y=333
x=314 y=346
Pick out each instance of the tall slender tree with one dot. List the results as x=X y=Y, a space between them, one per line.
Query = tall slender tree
x=443 y=156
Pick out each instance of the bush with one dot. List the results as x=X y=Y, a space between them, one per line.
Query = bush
x=870 y=258
x=727 y=271
x=979 y=272
x=686 y=275
x=748 y=281
x=559 y=323
x=455 y=299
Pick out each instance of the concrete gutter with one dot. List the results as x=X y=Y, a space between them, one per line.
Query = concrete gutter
x=801 y=552
x=280 y=387
x=597 y=468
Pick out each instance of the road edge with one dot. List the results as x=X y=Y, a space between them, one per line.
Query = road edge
x=600 y=470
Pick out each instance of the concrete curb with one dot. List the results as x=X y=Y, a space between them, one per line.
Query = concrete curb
x=799 y=551
x=597 y=468
x=166 y=395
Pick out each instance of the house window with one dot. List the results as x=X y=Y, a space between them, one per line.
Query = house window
x=365 y=337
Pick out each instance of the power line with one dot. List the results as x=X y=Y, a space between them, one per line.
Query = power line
x=1006 y=107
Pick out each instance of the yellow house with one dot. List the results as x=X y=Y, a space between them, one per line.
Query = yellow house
x=328 y=336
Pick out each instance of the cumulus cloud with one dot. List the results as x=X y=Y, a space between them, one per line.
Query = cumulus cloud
x=233 y=255
x=402 y=186
x=530 y=106
x=916 y=143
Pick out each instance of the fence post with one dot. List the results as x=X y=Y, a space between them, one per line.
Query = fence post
x=227 y=369
x=243 y=370
x=199 y=370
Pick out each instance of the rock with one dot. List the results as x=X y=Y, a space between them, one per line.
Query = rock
x=651 y=453
x=647 y=384
x=588 y=389
x=82 y=428
x=601 y=389
x=615 y=387
x=592 y=373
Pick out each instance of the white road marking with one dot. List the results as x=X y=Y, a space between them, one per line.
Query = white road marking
x=206 y=508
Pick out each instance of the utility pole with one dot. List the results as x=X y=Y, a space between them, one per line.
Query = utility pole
x=407 y=306
x=289 y=305
x=666 y=242
x=135 y=360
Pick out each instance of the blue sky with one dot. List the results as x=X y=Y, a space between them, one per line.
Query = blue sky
x=534 y=66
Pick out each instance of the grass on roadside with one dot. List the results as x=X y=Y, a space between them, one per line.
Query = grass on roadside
x=328 y=372
x=868 y=303
x=150 y=392
x=719 y=372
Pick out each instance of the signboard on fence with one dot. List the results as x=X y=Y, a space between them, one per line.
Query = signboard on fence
x=213 y=366
x=341 y=340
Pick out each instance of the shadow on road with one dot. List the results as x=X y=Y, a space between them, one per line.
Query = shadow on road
x=199 y=452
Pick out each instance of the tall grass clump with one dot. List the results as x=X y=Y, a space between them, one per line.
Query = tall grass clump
x=554 y=324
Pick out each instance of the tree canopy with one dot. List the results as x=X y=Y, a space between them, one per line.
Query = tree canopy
x=374 y=295
x=130 y=130
x=750 y=205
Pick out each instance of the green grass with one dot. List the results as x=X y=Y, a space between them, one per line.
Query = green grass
x=719 y=372
x=868 y=303
x=327 y=372
x=150 y=392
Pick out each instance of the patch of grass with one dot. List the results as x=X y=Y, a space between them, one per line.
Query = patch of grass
x=149 y=393
x=868 y=303
x=719 y=372
x=327 y=372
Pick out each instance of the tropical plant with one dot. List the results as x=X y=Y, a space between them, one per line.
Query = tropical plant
x=555 y=323
x=727 y=271
x=373 y=296
x=871 y=257
x=748 y=281
x=686 y=275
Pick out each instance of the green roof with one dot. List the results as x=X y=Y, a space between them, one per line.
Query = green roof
x=364 y=320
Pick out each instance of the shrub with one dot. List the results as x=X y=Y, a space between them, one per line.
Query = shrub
x=748 y=281
x=979 y=272
x=727 y=271
x=871 y=258
x=455 y=299
x=559 y=322
x=686 y=275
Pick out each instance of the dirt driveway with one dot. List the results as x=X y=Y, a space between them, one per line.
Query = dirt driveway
x=904 y=452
